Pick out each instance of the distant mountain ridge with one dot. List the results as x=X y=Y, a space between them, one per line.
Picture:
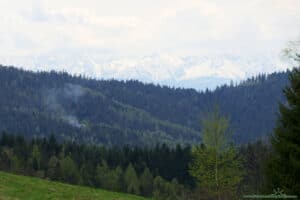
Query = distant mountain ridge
x=114 y=112
x=196 y=71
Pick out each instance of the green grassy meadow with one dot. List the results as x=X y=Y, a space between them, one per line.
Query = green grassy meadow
x=14 y=187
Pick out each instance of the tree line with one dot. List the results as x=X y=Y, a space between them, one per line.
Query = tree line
x=214 y=169
x=157 y=171
x=111 y=112
x=162 y=171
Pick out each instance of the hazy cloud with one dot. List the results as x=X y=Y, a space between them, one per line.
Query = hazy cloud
x=139 y=38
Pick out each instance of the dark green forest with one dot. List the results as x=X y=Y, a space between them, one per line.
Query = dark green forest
x=161 y=172
x=154 y=141
x=112 y=112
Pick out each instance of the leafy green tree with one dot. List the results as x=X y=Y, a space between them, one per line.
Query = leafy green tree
x=216 y=165
x=173 y=190
x=283 y=169
x=108 y=178
x=69 y=170
x=131 y=180
x=164 y=190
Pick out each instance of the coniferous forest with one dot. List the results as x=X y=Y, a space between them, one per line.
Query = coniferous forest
x=161 y=172
x=112 y=112
x=129 y=136
x=149 y=100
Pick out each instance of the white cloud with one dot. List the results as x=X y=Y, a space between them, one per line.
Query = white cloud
x=227 y=69
x=119 y=38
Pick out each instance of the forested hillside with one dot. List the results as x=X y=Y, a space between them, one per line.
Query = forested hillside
x=115 y=112
x=161 y=172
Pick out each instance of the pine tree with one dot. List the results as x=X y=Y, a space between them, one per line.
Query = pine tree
x=118 y=174
x=131 y=180
x=36 y=156
x=102 y=172
x=283 y=169
x=52 y=168
x=146 y=182
x=254 y=157
x=159 y=188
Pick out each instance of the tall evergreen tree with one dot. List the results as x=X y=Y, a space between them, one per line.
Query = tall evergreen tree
x=53 y=167
x=254 y=158
x=159 y=188
x=101 y=174
x=146 y=182
x=36 y=156
x=283 y=169
x=131 y=180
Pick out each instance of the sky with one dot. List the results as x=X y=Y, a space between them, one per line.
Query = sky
x=182 y=43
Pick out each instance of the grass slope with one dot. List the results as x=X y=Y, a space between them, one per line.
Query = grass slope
x=13 y=187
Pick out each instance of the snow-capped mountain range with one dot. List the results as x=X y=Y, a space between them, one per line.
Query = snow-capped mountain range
x=199 y=72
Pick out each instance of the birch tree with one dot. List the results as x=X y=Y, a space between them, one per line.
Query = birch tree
x=216 y=165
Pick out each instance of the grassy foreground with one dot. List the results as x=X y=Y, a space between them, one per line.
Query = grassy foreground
x=13 y=187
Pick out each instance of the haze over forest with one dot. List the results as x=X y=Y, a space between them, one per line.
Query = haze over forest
x=140 y=100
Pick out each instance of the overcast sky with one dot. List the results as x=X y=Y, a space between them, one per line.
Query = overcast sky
x=185 y=39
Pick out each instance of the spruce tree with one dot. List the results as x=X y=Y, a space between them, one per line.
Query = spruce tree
x=146 y=182
x=283 y=169
x=52 y=168
x=131 y=180
x=102 y=172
